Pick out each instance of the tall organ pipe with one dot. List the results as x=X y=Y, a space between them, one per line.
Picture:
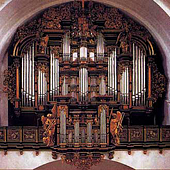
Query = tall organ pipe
x=30 y=77
x=51 y=75
x=144 y=80
x=22 y=86
x=133 y=80
x=33 y=95
x=139 y=75
x=127 y=75
x=115 y=75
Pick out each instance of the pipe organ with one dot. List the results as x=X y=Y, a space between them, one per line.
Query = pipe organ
x=85 y=65
x=27 y=77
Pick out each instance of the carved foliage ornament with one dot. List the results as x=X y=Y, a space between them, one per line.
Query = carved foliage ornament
x=83 y=162
x=82 y=22
x=10 y=82
x=158 y=83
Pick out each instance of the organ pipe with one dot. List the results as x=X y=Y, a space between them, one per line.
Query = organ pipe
x=66 y=47
x=22 y=79
x=83 y=52
x=112 y=75
x=27 y=77
x=133 y=79
x=138 y=76
x=83 y=83
x=100 y=47
x=54 y=76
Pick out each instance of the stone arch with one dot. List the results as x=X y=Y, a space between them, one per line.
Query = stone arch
x=17 y=12
x=104 y=164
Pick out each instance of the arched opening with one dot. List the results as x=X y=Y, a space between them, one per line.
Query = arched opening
x=104 y=164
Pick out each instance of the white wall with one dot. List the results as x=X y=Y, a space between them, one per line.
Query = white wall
x=137 y=160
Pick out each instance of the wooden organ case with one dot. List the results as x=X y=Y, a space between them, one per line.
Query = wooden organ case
x=75 y=64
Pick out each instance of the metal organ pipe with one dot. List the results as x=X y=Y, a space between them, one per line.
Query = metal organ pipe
x=33 y=93
x=30 y=78
x=22 y=79
x=139 y=76
x=125 y=80
x=54 y=76
x=100 y=46
x=112 y=75
x=138 y=84
x=144 y=79
x=27 y=77
x=133 y=79
x=66 y=47
x=115 y=75
x=127 y=72
x=83 y=83
x=51 y=75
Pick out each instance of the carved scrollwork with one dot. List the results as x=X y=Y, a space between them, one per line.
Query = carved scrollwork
x=43 y=44
x=56 y=51
x=44 y=68
x=158 y=83
x=10 y=82
x=82 y=23
x=83 y=162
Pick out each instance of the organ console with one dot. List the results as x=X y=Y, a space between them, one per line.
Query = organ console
x=85 y=62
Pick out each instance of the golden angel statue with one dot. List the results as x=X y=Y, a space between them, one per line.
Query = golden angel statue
x=116 y=125
x=49 y=124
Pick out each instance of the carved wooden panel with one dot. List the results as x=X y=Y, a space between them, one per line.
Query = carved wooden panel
x=165 y=134
x=40 y=134
x=152 y=134
x=136 y=134
x=124 y=135
x=2 y=134
x=14 y=134
x=29 y=134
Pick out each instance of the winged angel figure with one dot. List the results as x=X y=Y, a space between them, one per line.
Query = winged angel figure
x=116 y=125
x=49 y=124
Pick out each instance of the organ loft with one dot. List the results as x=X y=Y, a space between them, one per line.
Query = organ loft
x=85 y=72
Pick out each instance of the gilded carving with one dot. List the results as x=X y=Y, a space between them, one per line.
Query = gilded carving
x=49 y=124
x=116 y=126
x=111 y=17
x=43 y=44
x=124 y=38
x=158 y=83
x=10 y=83
x=83 y=162
x=101 y=108
x=64 y=109
x=56 y=51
